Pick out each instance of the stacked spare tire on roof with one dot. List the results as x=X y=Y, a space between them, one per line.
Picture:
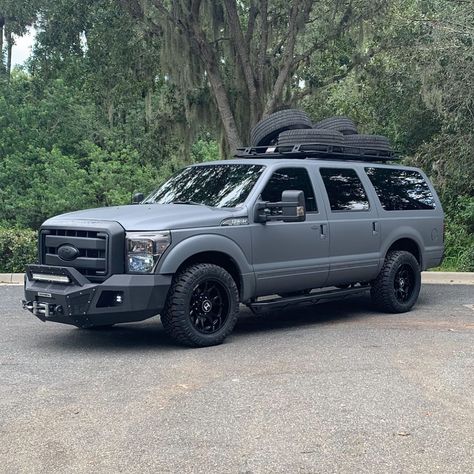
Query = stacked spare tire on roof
x=291 y=132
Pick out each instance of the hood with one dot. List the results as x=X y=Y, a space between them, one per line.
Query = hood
x=145 y=217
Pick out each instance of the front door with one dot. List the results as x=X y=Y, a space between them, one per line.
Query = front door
x=291 y=256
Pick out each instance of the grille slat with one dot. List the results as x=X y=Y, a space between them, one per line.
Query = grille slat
x=56 y=241
x=79 y=263
x=92 y=246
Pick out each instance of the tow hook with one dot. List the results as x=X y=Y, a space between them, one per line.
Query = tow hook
x=42 y=310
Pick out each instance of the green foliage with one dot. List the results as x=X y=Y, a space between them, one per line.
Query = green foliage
x=113 y=102
x=205 y=149
x=49 y=161
x=18 y=247
x=460 y=235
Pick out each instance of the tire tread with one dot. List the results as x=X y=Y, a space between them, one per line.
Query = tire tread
x=174 y=316
x=381 y=291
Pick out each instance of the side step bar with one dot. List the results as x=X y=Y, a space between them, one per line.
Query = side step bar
x=313 y=298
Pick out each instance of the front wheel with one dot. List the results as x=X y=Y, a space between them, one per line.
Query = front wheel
x=398 y=284
x=202 y=306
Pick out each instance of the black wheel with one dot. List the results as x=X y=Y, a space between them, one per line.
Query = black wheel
x=310 y=140
x=267 y=131
x=343 y=125
x=369 y=144
x=202 y=306
x=397 y=287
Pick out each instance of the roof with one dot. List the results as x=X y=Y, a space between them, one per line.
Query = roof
x=304 y=162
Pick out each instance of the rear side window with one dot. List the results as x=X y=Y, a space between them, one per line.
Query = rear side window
x=290 y=179
x=401 y=190
x=345 y=190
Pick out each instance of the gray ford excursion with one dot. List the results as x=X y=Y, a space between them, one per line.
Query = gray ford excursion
x=302 y=223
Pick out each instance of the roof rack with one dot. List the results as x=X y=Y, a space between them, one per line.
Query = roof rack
x=318 y=152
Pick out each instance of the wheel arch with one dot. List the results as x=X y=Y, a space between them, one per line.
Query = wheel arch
x=408 y=244
x=214 y=249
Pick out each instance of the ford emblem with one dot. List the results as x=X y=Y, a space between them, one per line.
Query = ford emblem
x=68 y=252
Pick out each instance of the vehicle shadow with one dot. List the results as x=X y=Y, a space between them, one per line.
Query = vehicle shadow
x=334 y=312
x=150 y=335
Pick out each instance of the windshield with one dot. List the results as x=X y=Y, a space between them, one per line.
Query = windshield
x=210 y=185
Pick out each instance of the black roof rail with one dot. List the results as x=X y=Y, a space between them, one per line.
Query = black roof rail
x=318 y=151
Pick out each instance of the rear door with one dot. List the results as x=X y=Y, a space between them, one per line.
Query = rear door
x=354 y=249
x=291 y=256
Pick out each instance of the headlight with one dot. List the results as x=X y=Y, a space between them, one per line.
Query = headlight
x=144 y=249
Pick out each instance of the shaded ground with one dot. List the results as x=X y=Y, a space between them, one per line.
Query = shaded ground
x=335 y=387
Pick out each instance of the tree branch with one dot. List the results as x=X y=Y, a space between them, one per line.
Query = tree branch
x=262 y=52
x=336 y=33
x=235 y=28
x=300 y=10
x=253 y=11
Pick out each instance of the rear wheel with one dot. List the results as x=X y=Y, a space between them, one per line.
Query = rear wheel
x=202 y=306
x=398 y=284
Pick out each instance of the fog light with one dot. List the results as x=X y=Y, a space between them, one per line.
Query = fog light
x=108 y=299
x=50 y=278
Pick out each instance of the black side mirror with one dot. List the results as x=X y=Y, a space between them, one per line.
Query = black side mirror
x=291 y=208
x=137 y=198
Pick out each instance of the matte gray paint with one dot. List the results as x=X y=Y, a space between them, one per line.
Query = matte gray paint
x=329 y=248
x=148 y=217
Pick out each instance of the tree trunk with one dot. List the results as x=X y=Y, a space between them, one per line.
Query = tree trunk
x=9 y=38
x=285 y=66
x=202 y=46
x=224 y=108
x=2 y=24
x=244 y=59
x=148 y=109
x=110 y=114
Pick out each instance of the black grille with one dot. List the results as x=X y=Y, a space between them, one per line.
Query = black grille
x=92 y=247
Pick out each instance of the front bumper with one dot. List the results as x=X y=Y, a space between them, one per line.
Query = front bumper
x=119 y=299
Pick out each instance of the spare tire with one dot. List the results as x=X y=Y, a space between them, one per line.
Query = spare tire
x=267 y=130
x=343 y=125
x=311 y=140
x=367 y=143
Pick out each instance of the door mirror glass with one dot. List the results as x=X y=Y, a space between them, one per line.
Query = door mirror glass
x=291 y=208
x=137 y=198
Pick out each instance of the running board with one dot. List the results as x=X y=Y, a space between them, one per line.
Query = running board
x=280 y=303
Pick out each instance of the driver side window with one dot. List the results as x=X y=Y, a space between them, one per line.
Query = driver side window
x=290 y=179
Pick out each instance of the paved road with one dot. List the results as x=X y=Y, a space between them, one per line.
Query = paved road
x=332 y=388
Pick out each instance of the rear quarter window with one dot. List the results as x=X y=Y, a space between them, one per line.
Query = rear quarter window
x=401 y=190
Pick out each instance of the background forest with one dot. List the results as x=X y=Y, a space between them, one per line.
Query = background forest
x=120 y=93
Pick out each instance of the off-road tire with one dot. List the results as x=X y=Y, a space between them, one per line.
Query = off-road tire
x=176 y=317
x=383 y=291
x=343 y=125
x=266 y=131
x=310 y=140
x=369 y=144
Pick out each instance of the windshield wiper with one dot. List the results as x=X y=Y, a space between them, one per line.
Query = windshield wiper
x=191 y=203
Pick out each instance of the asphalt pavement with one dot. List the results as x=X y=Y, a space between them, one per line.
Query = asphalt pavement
x=333 y=388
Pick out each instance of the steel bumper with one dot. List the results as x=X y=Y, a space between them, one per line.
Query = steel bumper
x=119 y=299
